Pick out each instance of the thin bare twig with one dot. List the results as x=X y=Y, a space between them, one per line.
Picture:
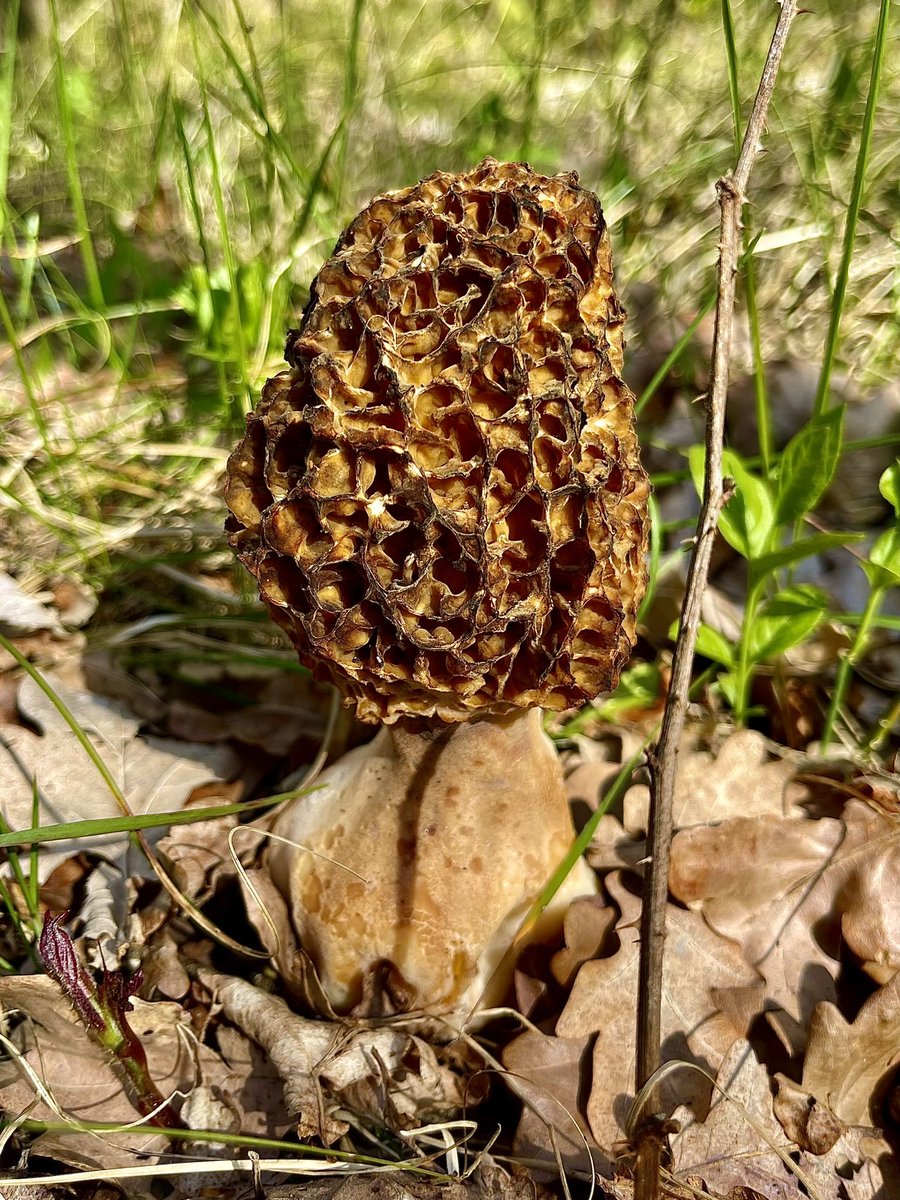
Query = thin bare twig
x=663 y=762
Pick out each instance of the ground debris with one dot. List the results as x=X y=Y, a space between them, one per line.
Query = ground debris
x=383 y=1073
x=155 y=774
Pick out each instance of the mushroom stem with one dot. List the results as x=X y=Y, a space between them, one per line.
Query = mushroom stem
x=455 y=829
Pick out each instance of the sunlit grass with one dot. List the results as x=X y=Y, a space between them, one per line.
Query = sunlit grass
x=172 y=175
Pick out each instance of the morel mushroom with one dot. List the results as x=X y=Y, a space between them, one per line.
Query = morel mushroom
x=444 y=508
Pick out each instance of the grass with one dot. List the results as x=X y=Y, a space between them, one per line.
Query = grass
x=172 y=175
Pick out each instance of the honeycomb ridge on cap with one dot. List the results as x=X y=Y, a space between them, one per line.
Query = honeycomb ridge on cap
x=442 y=500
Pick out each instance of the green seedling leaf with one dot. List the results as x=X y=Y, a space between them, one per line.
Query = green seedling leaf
x=748 y=519
x=889 y=486
x=808 y=464
x=883 y=567
x=638 y=688
x=805 y=548
x=786 y=621
x=710 y=643
x=728 y=687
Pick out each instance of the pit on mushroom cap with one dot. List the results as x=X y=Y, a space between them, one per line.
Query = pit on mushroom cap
x=443 y=505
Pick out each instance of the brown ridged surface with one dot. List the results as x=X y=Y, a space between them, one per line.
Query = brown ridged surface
x=442 y=500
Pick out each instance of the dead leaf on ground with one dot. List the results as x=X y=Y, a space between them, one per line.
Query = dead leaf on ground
x=163 y=969
x=22 y=613
x=870 y=899
x=155 y=774
x=806 y=1121
x=254 y=1082
x=845 y=1063
x=859 y=1166
x=725 y=1150
x=587 y=925
x=770 y=884
x=693 y=1027
x=548 y=1074
x=198 y=851
x=595 y=762
x=280 y=711
x=613 y=849
x=741 y=777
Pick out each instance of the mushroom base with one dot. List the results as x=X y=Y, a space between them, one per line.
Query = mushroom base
x=454 y=831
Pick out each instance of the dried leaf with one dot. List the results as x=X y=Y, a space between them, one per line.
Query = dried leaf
x=155 y=775
x=163 y=969
x=870 y=897
x=23 y=614
x=612 y=848
x=254 y=1083
x=770 y=884
x=710 y=787
x=548 y=1073
x=725 y=1150
x=859 y=1166
x=197 y=851
x=844 y=1063
x=586 y=927
x=602 y=1001
x=490 y=1182
x=596 y=765
x=805 y=1120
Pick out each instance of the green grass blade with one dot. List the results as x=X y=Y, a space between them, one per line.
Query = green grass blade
x=253 y=89
x=246 y=393
x=848 y=661
x=351 y=90
x=763 y=420
x=823 y=391
x=200 y=225
x=760 y=389
x=7 y=79
x=656 y=548
x=733 y=87
x=100 y=826
x=285 y=1148
x=673 y=356
x=76 y=193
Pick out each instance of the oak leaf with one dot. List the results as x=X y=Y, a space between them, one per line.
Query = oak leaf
x=870 y=898
x=845 y=1062
x=693 y=1027
x=548 y=1074
x=739 y=778
x=727 y=1150
x=770 y=884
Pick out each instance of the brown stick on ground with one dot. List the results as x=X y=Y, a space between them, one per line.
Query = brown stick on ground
x=663 y=761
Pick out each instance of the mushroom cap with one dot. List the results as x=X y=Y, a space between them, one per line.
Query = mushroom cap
x=442 y=500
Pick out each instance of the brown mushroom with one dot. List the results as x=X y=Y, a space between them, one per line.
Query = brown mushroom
x=444 y=508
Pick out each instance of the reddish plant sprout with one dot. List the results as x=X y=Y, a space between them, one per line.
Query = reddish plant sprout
x=103 y=1007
